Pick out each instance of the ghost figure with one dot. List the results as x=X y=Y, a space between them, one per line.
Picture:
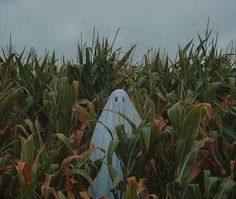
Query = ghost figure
x=119 y=101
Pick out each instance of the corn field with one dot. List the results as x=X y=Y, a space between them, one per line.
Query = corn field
x=184 y=148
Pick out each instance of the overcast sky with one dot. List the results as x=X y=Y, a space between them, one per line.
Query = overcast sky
x=58 y=24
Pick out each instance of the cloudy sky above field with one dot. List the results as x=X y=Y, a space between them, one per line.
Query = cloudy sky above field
x=58 y=24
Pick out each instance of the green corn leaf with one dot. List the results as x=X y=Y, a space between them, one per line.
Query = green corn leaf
x=49 y=157
x=151 y=113
x=30 y=124
x=120 y=132
x=225 y=188
x=88 y=60
x=112 y=173
x=132 y=152
x=82 y=173
x=210 y=183
x=212 y=88
x=80 y=55
x=65 y=140
x=193 y=192
x=124 y=59
x=111 y=150
x=174 y=114
x=174 y=190
x=6 y=108
x=187 y=46
x=27 y=152
x=188 y=135
x=146 y=136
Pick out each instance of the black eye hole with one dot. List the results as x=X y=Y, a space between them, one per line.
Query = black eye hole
x=123 y=99
x=116 y=99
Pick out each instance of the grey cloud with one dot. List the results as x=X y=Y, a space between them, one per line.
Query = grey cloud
x=57 y=24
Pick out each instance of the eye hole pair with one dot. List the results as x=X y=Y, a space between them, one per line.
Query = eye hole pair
x=117 y=99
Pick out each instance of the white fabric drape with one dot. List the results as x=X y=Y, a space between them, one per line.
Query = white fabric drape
x=119 y=101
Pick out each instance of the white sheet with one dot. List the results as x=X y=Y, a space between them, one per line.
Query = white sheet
x=119 y=101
